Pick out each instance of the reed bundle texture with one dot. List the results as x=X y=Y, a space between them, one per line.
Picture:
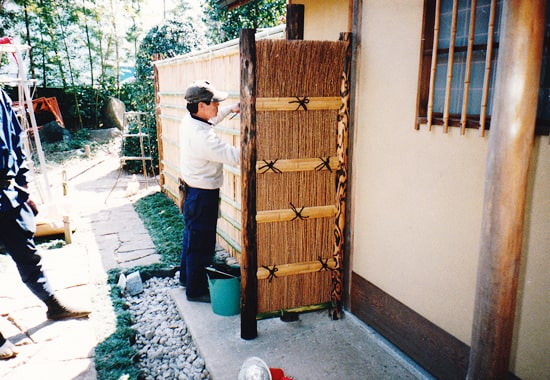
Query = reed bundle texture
x=293 y=72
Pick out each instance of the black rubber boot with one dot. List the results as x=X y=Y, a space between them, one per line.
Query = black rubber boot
x=57 y=311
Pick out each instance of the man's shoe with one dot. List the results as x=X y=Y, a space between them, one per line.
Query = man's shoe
x=57 y=311
x=204 y=298
x=7 y=350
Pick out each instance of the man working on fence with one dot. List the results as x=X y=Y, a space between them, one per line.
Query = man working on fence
x=17 y=223
x=203 y=154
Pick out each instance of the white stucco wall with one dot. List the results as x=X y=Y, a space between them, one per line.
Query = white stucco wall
x=417 y=196
x=326 y=19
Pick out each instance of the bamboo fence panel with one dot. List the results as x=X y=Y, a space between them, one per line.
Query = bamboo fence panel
x=174 y=75
x=297 y=105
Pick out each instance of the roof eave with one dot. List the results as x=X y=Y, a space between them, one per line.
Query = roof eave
x=232 y=4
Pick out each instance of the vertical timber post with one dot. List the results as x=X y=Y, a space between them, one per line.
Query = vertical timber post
x=510 y=147
x=342 y=144
x=249 y=256
x=295 y=22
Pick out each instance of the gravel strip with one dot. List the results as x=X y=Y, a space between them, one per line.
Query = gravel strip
x=165 y=347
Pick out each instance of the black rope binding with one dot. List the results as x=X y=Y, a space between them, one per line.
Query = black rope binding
x=269 y=165
x=298 y=213
x=302 y=102
x=271 y=271
x=324 y=264
x=325 y=163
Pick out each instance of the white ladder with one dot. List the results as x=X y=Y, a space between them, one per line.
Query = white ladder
x=131 y=120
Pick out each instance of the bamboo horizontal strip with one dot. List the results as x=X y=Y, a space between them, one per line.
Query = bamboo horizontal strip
x=301 y=309
x=297 y=165
x=289 y=214
x=296 y=268
x=303 y=103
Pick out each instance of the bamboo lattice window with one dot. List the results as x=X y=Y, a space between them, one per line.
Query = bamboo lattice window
x=458 y=65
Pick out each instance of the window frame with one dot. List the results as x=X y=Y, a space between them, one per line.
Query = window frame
x=465 y=119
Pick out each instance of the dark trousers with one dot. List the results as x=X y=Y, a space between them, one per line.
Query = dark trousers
x=200 y=214
x=17 y=228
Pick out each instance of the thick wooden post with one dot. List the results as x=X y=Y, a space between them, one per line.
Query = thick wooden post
x=295 y=21
x=510 y=146
x=249 y=254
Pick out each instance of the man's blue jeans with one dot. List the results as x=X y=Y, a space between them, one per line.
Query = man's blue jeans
x=200 y=214
x=17 y=228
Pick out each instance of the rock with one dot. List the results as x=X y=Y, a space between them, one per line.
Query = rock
x=134 y=285
x=121 y=284
x=53 y=132
x=112 y=113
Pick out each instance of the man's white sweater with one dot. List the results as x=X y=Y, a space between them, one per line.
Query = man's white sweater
x=203 y=153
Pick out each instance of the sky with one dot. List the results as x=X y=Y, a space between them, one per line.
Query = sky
x=154 y=11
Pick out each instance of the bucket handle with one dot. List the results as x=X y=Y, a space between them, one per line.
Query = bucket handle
x=220 y=272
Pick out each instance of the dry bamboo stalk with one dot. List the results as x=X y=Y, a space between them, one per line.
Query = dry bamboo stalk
x=289 y=214
x=293 y=103
x=488 y=62
x=299 y=310
x=342 y=145
x=450 y=64
x=283 y=133
x=296 y=165
x=294 y=72
x=471 y=35
x=296 y=268
x=434 y=63
x=294 y=291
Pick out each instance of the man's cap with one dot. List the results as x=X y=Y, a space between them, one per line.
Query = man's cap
x=203 y=91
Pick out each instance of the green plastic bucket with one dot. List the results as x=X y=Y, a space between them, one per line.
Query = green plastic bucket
x=225 y=295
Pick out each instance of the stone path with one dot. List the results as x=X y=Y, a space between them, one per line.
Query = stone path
x=108 y=234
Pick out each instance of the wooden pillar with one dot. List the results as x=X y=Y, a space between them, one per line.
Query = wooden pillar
x=510 y=145
x=249 y=254
x=295 y=21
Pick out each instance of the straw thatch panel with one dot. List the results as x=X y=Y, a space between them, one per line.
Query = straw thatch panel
x=297 y=110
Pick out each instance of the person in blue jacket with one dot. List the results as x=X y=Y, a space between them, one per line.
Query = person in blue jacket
x=17 y=221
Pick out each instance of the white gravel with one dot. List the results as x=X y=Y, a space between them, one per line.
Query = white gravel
x=165 y=347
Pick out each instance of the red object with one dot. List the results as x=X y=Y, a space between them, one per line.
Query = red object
x=278 y=374
x=5 y=40
x=8 y=41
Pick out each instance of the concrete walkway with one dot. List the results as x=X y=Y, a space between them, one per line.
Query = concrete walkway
x=109 y=234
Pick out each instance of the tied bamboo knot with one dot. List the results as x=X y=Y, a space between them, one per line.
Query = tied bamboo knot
x=298 y=213
x=272 y=272
x=269 y=165
x=324 y=264
x=302 y=102
x=325 y=163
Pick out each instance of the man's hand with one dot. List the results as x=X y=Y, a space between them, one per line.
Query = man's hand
x=33 y=206
x=236 y=108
